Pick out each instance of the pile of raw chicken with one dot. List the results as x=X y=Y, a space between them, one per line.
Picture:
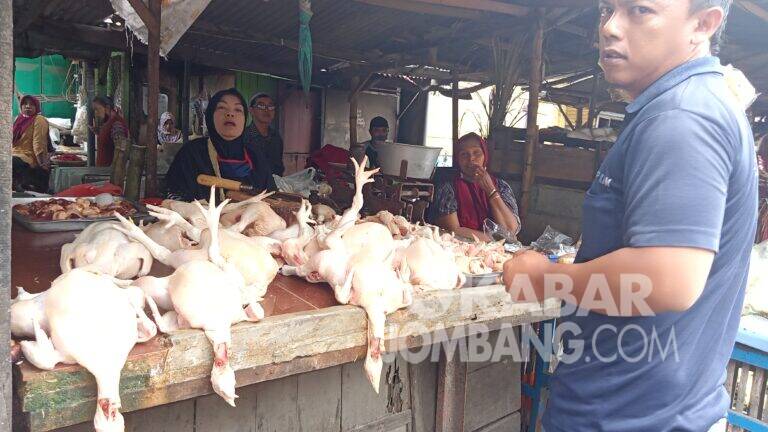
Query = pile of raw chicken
x=220 y=277
x=62 y=209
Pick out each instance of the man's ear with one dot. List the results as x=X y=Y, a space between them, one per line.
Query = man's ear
x=709 y=21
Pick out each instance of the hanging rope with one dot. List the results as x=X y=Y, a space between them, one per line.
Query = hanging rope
x=305 y=45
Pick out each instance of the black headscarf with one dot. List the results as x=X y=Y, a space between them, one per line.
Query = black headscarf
x=193 y=159
x=234 y=149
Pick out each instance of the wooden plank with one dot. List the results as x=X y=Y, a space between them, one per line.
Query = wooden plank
x=212 y=414
x=177 y=367
x=510 y=423
x=277 y=407
x=552 y=161
x=756 y=392
x=730 y=383
x=451 y=391
x=416 y=7
x=741 y=387
x=153 y=90
x=319 y=402
x=145 y=13
x=6 y=96
x=176 y=417
x=482 y=5
x=505 y=336
x=753 y=8
x=455 y=108
x=391 y=423
x=423 y=377
x=493 y=393
x=532 y=134
x=361 y=406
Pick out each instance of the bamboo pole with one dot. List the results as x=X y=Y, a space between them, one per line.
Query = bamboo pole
x=356 y=152
x=6 y=98
x=532 y=131
x=90 y=92
x=153 y=79
x=185 y=103
x=455 y=108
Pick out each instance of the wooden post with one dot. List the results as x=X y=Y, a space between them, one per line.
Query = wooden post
x=153 y=79
x=90 y=92
x=354 y=84
x=532 y=132
x=579 y=117
x=592 y=114
x=6 y=101
x=451 y=391
x=185 y=103
x=125 y=82
x=455 y=107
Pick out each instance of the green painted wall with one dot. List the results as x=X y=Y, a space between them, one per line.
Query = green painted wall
x=47 y=76
x=248 y=84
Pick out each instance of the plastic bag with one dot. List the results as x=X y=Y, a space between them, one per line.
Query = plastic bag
x=91 y=190
x=497 y=232
x=554 y=242
x=302 y=182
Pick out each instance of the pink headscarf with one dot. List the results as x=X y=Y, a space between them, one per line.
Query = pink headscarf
x=473 y=206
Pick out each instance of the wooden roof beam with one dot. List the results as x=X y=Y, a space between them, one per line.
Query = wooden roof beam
x=753 y=8
x=481 y=5
x=416 y=7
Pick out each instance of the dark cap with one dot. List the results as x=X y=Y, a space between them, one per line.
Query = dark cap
x=378 y=122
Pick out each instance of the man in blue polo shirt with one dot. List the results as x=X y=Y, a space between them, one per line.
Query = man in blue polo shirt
x=673 y=209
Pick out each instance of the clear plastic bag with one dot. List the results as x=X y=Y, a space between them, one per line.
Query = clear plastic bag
x=497 y=232
x=302 y=182
x=554 y=242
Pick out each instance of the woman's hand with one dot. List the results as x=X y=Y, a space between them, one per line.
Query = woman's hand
x=484 y=180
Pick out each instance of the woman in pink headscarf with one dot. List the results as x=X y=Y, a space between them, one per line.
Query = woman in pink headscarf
x=474 y=195
x=30 y=146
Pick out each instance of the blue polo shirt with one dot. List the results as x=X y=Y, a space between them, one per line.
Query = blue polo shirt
x=682 y=174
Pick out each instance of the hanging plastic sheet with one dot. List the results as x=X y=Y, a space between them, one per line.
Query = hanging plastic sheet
x=305 y=45
x=177 y=17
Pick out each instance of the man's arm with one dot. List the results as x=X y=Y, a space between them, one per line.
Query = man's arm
x=627 y=282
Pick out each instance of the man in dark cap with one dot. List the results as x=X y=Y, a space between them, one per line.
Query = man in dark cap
x=262 y=135
x=379 y=130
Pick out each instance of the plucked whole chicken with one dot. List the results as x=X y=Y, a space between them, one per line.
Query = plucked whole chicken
x=249 y=256
x=94 y=323
x=103 y=248
x=206 y=294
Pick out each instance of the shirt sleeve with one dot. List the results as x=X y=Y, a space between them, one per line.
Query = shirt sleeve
x=676 y=178
x=445 y=200
x=40 y=136
x=508 y=196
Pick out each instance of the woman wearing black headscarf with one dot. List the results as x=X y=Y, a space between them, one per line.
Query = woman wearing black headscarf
x=225 y=153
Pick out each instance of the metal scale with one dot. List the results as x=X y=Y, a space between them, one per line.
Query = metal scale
x=399 y=195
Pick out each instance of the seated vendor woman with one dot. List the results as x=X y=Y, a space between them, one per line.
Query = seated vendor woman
x=224 y=153
x=462 y=205
x=31 y=149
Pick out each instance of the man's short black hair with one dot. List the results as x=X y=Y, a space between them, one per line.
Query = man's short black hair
x=378 y=122
x=717 y=38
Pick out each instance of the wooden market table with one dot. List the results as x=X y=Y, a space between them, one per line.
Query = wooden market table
x=305 y=332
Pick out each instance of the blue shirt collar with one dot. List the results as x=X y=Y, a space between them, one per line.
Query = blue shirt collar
x=709 y=64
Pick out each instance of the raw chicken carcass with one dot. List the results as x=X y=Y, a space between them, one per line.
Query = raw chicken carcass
x=170 y=237
x=207 y=295
x=103 y=248
x=432 y=267
x=94 y=323
x=248 y=256
x=253 y=216
x=293 y=249
x=27 y=308
x=323 y=213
